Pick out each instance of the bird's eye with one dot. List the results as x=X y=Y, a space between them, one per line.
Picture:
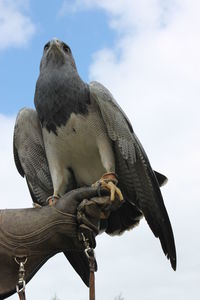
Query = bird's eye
x=46 y=47
x=66 y=48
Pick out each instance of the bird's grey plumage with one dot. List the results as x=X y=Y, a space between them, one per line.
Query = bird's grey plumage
x=30 y=157
x=137 y=180
x=85 y=134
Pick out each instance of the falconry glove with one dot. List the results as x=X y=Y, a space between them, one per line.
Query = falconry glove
x=36 y=234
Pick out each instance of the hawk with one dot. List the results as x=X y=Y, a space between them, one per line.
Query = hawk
x=79 y=135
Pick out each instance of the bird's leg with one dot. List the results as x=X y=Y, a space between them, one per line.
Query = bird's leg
x=52 y=199
x=109 y=181
x=60 y=179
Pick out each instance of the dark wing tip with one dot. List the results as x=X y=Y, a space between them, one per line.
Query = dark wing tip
x=173 y=263
x=152 y=205
x=171 y=255
x=168 y=245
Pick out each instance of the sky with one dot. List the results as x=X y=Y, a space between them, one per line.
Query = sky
x=147 y=54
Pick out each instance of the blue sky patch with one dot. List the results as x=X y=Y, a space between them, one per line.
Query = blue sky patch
x=85 y=31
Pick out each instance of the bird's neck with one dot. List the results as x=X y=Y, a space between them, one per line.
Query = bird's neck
x=58 y=95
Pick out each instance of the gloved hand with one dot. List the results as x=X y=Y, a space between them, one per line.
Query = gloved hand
x=36 y=234
x=91 y=212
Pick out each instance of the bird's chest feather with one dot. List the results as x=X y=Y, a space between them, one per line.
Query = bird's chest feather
x=78 y=136
x=76 y=146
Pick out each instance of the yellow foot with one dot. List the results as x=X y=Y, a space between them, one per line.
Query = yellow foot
x=114 y=190
x=52 y=199
x=109 y=181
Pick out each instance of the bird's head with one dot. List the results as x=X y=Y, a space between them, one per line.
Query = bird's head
x=56 y=54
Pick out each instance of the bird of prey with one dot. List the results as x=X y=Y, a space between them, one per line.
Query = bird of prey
x=78 y=135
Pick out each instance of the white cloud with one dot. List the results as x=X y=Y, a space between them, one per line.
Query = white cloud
x=13 y=191
x=16 y=28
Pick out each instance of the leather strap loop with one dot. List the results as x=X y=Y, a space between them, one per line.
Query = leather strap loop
x=92 y=277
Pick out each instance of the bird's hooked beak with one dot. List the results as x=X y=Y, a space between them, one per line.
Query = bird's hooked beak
x=55 y=44
x=54 y=53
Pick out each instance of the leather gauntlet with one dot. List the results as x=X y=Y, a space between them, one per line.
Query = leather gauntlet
x=36 y=234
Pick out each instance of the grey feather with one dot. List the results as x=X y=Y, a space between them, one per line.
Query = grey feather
x=137 y=180
x=118 y=126
x=30 y=156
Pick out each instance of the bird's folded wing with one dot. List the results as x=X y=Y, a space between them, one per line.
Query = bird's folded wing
x=30 y=157
x=137 y=180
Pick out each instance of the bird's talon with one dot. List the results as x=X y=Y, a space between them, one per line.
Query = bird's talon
x=109 y=182
x=114 y=190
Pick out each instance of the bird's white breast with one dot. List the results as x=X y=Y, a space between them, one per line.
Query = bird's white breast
x=82 y=145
